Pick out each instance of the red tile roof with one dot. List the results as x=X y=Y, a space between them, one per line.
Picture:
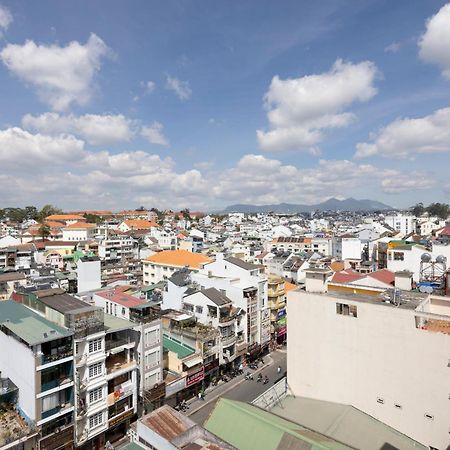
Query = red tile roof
x=383 y=275
x=118 y=296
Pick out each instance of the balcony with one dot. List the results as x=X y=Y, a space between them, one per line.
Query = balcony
x=114 y=343
x=119 y=362
x=121 y=391
x=58 y=409
x=52 y=384
x=228 y=340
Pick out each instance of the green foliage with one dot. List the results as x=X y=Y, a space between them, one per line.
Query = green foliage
x=93 y=218
x=44 y=231
x=47 y=210
x=440 y=210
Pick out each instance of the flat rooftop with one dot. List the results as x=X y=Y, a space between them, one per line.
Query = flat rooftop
x=27 y=325
x=407 y=299
x=65 y=303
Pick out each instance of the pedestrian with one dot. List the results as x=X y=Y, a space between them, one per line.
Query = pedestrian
x=199 y=395
x=279 y=369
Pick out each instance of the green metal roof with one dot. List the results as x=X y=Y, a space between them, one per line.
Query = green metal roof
x=182 y=350
x=133 y=446
x=232 y=420
x=113 y=323
x=27 y=325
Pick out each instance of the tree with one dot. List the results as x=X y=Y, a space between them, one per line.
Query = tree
x=48 y=210
x=186 y=214
x=440 y=210
x=418 y=209
x=44 y=231
x=93 y=218
x=31 y=212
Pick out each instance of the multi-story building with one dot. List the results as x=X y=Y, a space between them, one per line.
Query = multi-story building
x=163 y=265
x=246 y=285
x=277 y=304
x=385 y=354
x=10 y=281
x=346 y=246
x=145 y=319
x=401 y=223
x=117 y=249
x=37 y=356
x=105 y=363
x=79 y=231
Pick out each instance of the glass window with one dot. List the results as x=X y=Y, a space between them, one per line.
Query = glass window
x=95 y=345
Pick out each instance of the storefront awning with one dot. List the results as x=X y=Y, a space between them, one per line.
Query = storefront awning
x=193 y=361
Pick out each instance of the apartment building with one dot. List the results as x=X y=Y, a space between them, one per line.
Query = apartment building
x=37 y=356
x=213 y=308
x=246 y=285
x=146 y=321
x=105 y=363
x=10 y=281
x=346 y=246
x=401 y=223
x=163 y=265
x=277 y=304
x=385 y=354
x=116 y=249
x=403 y=256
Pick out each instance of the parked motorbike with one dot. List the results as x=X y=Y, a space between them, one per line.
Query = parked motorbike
x=266 y=380
x=249 y=376
x=260 y=377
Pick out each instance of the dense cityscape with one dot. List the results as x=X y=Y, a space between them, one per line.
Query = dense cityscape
x=224 y=225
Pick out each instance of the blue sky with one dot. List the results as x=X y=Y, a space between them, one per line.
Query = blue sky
x=113 y=104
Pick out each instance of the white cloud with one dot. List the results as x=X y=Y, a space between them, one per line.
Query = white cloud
x=95 y=129
x=21 y=149
x=5 y=19
x=398 y=183
x=181 y=88
x=154 y=134
x=407 y=137
x=150 y=87
x=434 y=44
x=62 y=75
x=394 y=47
x=257 y=179
x=301 y=109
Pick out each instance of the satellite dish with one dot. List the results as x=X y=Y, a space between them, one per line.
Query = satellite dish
x=426 y=257
x=441 y=259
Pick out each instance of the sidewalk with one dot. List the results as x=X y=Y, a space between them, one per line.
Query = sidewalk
x=212 y=393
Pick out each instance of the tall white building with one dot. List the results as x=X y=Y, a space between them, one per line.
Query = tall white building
x=402 y=223
x=386 y=355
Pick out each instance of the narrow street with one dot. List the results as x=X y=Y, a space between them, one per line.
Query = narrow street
x=238 y=388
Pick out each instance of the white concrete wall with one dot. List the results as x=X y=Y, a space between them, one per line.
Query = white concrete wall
x=17 y=362
x=379 y=354
x=88 y=275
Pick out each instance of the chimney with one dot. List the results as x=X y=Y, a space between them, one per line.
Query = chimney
x=316 y=280
x=403 y=280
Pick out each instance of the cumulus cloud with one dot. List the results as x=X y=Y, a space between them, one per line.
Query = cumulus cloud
x=398 y=182
x=62 y=75
x=150 y=86
x=434 y=44
x=5 y=19
x=154 y=134
x=181 y=88
x=21 y=149
x=406 y=137
x=257 y=179
x=300 y=110
x=394 y=47
x=95 y=129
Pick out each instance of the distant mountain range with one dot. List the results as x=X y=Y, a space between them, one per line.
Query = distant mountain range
x=332 y=204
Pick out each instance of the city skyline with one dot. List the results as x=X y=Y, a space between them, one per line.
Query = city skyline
x=187 y=104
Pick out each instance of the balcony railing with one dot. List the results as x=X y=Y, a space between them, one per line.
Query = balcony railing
x=52 y=384
x=114 y=343
x=56 y=410
x=119 y=366
x=228 y=340
x=64 y=353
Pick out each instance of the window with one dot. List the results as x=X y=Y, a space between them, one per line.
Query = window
x=152 y=360
x=346 y=310
x=95 y=370
x=95 y=345
x=95 y=420
x=188 y=307
x=50 y=402
x=199 y=309
x=151 y=380
x=95 y=395
x=123 y=311
x=151 y=337
x=399 y=256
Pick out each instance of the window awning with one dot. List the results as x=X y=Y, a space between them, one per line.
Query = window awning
x=193 y=361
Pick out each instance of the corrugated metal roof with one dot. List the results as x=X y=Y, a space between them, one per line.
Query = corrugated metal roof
x=180 y=349
x=27 y=325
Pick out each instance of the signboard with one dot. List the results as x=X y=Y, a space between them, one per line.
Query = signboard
x=282 y=331
x=175 y=387
x=211 y=366
x=281 y=313
x=121 y=418
x=195 y=377
x=281 y=321
x=158 y=391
